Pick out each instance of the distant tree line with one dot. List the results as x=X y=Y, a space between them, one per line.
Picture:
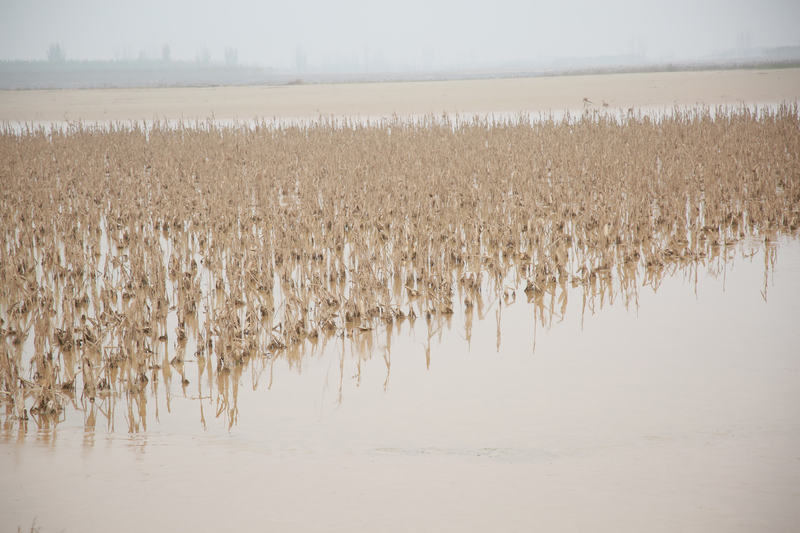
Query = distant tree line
x=57 y=57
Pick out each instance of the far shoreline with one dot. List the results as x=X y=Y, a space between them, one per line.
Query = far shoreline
x=374 y=100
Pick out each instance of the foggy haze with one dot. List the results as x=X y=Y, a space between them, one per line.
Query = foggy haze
x=412 y=35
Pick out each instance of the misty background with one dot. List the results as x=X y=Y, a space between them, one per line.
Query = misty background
x=414 y=35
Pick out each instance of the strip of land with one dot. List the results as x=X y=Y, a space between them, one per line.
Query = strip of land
x=649 y=91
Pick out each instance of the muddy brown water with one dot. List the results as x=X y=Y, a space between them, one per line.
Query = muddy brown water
x=668 y=409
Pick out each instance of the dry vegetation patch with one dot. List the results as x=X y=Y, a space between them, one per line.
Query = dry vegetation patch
x=258 y=238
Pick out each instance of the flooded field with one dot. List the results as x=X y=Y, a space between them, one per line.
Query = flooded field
x=506 y=97
x=414 y=324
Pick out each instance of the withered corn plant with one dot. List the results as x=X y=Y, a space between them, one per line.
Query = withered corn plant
x=126 y=243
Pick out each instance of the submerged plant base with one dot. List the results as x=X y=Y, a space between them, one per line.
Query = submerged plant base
x=681 y=405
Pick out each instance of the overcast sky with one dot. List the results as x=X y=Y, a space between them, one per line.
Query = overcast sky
x=411 y=33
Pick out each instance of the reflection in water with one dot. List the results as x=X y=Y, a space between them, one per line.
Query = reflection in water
x=216 y=387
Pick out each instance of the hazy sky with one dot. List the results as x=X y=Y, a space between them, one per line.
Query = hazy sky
x=412 y=33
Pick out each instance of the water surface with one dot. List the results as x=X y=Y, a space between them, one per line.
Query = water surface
x=674 y=407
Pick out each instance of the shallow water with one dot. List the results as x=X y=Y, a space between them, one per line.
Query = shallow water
x=679 y=410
